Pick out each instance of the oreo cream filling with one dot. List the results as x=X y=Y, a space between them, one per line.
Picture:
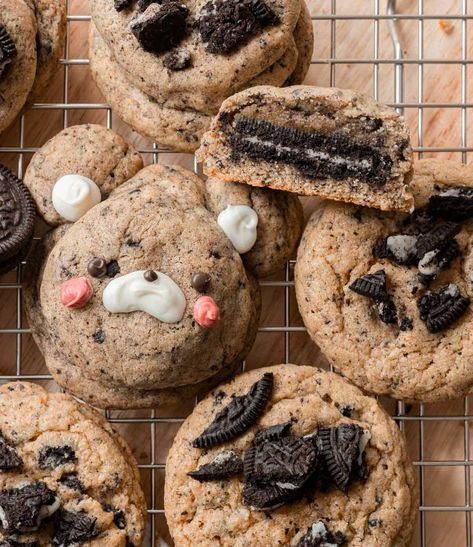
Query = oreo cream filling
x=316 y=155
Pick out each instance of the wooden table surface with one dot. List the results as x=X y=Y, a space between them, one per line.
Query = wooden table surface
x=354 y=42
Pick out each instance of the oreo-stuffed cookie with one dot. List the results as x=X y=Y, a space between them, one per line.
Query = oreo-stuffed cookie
x=160 y=302
x=174 y=63
x=66 y=478
x=294 y=454
x=387 y=296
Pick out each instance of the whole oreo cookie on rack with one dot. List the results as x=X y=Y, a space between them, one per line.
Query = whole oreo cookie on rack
x=17 y=215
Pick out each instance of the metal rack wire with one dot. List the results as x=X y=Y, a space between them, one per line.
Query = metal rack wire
x=406 y=418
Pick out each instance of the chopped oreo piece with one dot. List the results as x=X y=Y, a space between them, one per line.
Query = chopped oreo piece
x=161 y=26
x=386 y=310
x=13 y=543
x=71 y=527
x=238 y=415
x=99 y=337
x=120 y=5
x=272 y=433
x=287 y=462
x=23 y=509
x=316 y=155
x=264 y=497
x=399 y=248
x=437 y=238
x=342 y=449
x=406 y=324
x=72 y=481
x=9 y=458
x=7 y=49
x=225 y=465
x=439 y=310
x=318 y=536
x=177 y=59
x=226 y=25
x=51 y=457
x=453 y=203
x=371 y=285
x=119 y=519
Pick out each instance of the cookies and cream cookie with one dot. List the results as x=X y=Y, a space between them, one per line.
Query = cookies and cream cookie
x=291 y=453
x=337 y=144
x=66 y=477
x=386 y=296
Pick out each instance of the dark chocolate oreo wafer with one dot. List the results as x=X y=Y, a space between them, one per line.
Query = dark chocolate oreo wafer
x=272 y=433
x=452 y=203
x=7 y=49
x=225 y=465
x=17 y=214
x=237 y=416
x=266 y=496
x=371 y=285
x=441 y=309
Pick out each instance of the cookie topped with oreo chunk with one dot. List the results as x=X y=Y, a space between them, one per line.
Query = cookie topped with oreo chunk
x=374 y=287
x=298 y=473
x=66 y=477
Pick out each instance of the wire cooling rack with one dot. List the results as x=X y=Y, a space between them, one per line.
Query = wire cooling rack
x=444 y=469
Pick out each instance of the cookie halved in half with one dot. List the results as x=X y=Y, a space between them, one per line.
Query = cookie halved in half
x=338 y=144
x=386 y=296
x=291 y=453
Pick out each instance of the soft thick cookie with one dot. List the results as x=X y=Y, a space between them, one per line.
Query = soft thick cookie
x=182 y=129
x=51 y=20
x=227 y=43
x=196 y=308
x=387 y=296
x=67 y=478
x=280 y=220
x=299 y=438
x=338 y=144
x=18 y=68
x=91 y=151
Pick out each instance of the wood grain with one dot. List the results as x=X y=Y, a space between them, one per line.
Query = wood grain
x=443 y=440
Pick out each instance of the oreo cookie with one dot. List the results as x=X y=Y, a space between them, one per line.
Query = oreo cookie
x=160 y=27
x=51 y=457
x=23 y=509
x=225 y=465
x=226 y=25
x=265 y=497
x=318 y=536
x=71 y=528
x=17 y=215
x=437 y=238
x=453 y=203
x=439 y=310
x=272 y=433
x=238 y=415
x=341 y=449
x=374 y=286
x=398 y=248
x=7 y=49
x=9 y=458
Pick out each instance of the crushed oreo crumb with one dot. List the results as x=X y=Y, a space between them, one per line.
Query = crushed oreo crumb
x=160 y=27
x=439 y=310
x=272 y=433
x=318 y=536
x=72 y=527
x=224 y=465
x=113 y=268
x=120 y=5
x=51 y=457
x=226 y=25
x=72 y=481
x=177 y=59
x=406 y=324
x=9 y=458
x=23 y=509
x=452 y=203
x=99 y=337
x=238 y=415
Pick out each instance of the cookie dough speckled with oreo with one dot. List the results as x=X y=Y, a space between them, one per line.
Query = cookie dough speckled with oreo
x=291 y=453
x=387 y=296
x=66 y=477
x=165 y=67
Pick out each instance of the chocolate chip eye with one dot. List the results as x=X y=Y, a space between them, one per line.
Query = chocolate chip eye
x=54 y=456
x=97 y=267
x=113 y=268
x=201 y=281
x=150 y=276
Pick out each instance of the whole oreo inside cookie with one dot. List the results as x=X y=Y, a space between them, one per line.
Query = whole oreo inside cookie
x=7 y=49
x=226 y=25
x=237 y=416
x=160 y=27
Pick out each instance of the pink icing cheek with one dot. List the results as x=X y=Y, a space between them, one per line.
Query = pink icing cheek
x=206 y=312
x=75 y=293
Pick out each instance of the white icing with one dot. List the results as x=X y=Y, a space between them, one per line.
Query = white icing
x=162 y=298
x=239 y=222
x=365 y=439
x=402 y=246
x=74 y=195
x=427 y=265
x=224 y=457
x=319 y=532
x=288 y=485
x=452 y=192
x=452 y=290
